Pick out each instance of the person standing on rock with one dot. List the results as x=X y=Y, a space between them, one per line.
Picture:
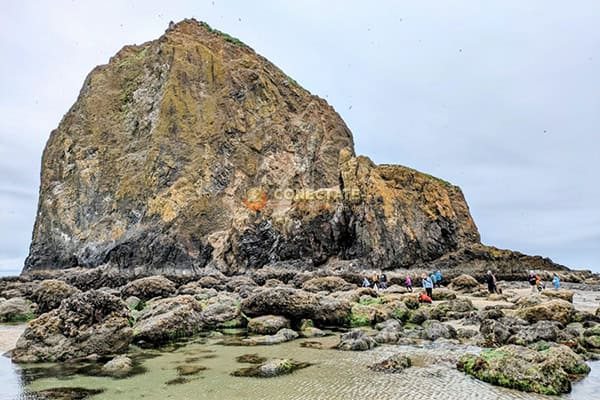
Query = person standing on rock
x=532 y=281
x=433 y=279
x=375 y=280
x=409 y=283
x=556 y=282
x=539 y=283
x=427 y=285
x=491 y=282
x=438 y=278
x=383 y=280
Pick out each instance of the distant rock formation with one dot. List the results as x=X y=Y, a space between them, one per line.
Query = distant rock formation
x=192 y=151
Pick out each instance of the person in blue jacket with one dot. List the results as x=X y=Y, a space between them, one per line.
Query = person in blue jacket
x=438 y=278
x=556 y=282
x=427 y=285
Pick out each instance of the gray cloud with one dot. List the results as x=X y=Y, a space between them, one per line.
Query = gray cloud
x=501 y=100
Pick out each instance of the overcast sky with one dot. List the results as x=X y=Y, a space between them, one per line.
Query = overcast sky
x=499 y=97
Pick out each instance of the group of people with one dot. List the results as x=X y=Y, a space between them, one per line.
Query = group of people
x=434 y=280
x=536 y=282
x=377 y=281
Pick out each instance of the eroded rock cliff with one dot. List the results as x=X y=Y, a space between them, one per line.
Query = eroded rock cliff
x=192 y=150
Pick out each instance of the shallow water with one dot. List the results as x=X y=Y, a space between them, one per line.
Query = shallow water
x=333 y=375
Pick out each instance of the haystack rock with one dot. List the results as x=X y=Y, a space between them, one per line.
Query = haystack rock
x=192 y=151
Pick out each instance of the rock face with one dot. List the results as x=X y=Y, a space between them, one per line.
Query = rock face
x=192 y=150
x=86 y=323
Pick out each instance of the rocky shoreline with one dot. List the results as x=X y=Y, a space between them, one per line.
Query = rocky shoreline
x=543 y=332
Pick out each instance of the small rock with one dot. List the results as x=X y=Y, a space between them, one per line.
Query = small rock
x=118 y=366
x=356 y=340
x=394 y=364
x=268 y=324
x=271 y=368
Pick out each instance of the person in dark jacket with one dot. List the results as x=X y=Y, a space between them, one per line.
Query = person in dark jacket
x=491 y=282
x=532 y=281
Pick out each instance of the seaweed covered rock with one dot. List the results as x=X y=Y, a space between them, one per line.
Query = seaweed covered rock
x=165 y=320
x=547 y=371
x=553 y=310
x=149 y=288
x=50 y=293
x=86 y=323
x=297 y=304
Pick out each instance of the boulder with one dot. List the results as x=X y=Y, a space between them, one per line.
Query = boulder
x=540 y=331
x=149 y=288
x=464 y=283
x=494 y=333
x=327 y=284
x=393 y=364
x=119 y=366
x=434 y=330
x=50 y=293
x=165 y=320
x=268 y=324
x=548 y=371
x=443 y=294
x=565 y=295
x=553 y=310
x=529 y=300
x=86 y=323
x=222 y=310
x=271 y=368
x=17 y=309
x=356 y=340
x=298 y=304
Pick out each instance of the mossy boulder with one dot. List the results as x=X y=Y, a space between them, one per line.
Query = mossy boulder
x=565 y=295
x=553 y=310
x=548 y=371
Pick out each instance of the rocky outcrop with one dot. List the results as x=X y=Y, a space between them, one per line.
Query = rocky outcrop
x=86 y=323
x=549 y=371
x=192 y=150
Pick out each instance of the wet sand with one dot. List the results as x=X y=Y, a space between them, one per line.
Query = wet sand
x=9 y=334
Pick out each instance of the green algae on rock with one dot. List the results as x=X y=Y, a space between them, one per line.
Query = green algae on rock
x=548 y=371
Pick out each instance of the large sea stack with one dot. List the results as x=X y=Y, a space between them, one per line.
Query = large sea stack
x=192 y=151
